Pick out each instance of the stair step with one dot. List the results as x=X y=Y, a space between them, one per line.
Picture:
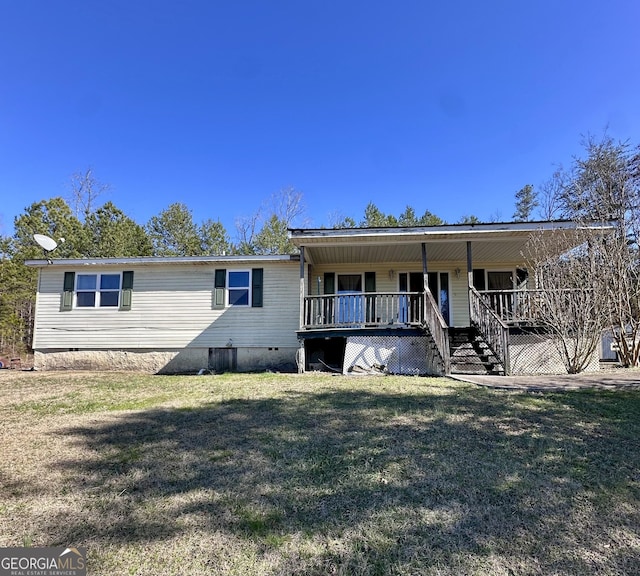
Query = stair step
x=470 y=354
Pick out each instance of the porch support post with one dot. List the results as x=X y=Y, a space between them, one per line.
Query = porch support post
x=469 y=265
x=469 y=276
x=301 y=360
x=425 y=273
x=301 y=287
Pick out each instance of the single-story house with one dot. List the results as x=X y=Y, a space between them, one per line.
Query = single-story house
x=167 y=315
x=408 y=300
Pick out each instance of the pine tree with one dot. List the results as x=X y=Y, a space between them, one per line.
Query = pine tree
x=526 y=202
x=173 y=232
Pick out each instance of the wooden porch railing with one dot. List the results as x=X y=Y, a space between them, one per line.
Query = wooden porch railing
x=515 y=306
x=363 y=309
x=439 y=330
x=492 y=328
x=528 y=306
x=388 y=309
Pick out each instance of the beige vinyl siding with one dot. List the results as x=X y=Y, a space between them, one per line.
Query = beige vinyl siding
x=458 y=294
x=171 y=308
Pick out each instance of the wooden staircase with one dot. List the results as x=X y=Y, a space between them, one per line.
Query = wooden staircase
x=470 y=354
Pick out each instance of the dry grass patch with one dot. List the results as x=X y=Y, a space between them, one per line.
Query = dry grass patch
x=317 y=474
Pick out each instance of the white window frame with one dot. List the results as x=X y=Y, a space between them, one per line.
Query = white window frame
x=511 y=271
x=229 y=288
x=98 y=291
x=337 y=282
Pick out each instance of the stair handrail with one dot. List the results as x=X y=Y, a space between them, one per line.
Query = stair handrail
x=491 y=327
x=439 y=330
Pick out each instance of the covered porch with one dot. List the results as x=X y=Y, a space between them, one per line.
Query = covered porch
x=363 y=280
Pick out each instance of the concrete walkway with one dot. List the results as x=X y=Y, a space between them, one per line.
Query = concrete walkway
x=620 y=378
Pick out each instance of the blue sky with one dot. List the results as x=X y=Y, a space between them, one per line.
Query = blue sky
x=449 y=106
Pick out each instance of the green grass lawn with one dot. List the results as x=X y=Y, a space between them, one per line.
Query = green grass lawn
x=319 y=475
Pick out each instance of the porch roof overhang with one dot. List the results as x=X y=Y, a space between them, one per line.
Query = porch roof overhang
x=497 y=242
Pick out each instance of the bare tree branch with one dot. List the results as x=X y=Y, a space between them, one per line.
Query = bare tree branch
x=85 y=190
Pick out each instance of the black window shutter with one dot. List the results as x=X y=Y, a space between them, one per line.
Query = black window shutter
x=127 y=290
x=432 y=279
x=67 y=294
x=329 y=283
x=478 y=279
x=256 y=287
x=522 y=274
x=219 y=286
x=369 y=281
x=370 y=301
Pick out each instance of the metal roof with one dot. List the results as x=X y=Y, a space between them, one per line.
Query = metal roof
x=426 y=233
x=496 y=241
x=490 y=242
x=159 y=260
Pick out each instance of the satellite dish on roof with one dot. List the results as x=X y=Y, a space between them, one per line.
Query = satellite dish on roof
x=47 y=244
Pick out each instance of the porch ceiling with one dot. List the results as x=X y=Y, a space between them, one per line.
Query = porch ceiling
x=482 y=250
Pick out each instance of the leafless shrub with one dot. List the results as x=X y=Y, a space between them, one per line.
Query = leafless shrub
x=572 y=304
x=601 y=187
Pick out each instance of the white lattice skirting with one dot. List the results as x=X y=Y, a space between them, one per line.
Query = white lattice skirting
x=399 y=355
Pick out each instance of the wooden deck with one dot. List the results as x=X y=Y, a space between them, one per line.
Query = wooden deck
x=492 y=312
x=371 y=311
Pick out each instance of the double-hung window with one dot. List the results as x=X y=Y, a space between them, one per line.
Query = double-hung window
x=239 y=282
x=97 y=290
x=238 y=288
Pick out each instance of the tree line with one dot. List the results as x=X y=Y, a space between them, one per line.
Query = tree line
x=602 y=184
x=94 y=230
